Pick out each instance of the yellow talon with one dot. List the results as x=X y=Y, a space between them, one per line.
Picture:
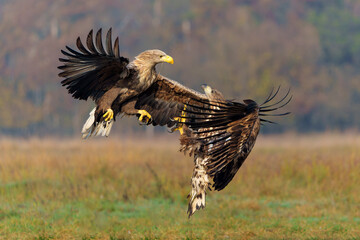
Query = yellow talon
x=180 y=129
x=144 y=113
x=181 y=119
x=108 y=115
x=183 y=113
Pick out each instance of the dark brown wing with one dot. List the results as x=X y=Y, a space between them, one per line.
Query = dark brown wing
x=228 y=133
x=227 y=136
x=165 y=99
x=91 y=71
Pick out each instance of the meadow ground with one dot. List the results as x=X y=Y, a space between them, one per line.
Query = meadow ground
x=290 y=187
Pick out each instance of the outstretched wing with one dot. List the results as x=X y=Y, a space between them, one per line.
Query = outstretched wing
x=91 y=71
x=166 y=99
x=227 y=134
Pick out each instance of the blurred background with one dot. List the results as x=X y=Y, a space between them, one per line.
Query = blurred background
x=296 y=185
x=241 y=47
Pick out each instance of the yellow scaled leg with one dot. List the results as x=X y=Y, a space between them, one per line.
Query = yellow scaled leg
x=181 y=119
x=144 y=113
x=108 y=115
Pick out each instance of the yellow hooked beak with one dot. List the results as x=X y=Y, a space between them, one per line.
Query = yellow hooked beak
x=167 y=59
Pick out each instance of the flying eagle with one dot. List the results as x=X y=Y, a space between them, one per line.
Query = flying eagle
x=221 y=135
x=118 y=86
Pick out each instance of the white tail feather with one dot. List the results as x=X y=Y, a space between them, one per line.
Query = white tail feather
x=91 y=128
x=108 y=128
x=89 y=122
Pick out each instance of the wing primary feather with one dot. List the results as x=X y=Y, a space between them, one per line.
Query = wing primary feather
x=268 y=121
x=76 y=54
x=109 y=43
x=90 y=43
x=264 y=109
x=271 y=92
x=116 y=48
x=81 y=47
x=282 y=99
x=272 y=97
x=67 y=54
x=269 y=96
x=67 y=60
x=275 y=115
x=99 y=44
x=75 y=71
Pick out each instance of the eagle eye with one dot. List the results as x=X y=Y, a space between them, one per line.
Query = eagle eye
x=161 y=56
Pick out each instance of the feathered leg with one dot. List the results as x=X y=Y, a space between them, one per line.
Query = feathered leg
x=199 y=183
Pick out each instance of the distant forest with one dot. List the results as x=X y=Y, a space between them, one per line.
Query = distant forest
x=241 y=47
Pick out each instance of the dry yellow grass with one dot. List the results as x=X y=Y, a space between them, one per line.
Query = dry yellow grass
x=289 y=187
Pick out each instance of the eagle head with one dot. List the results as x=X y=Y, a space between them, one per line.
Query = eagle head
x=153 y=57
x=212 y=93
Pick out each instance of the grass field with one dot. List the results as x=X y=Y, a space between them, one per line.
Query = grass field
x=290 y=187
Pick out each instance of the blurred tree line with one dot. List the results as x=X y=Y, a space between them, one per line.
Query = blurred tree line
x=241 y=47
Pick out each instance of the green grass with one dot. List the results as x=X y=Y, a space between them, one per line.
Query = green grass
x=111 y=189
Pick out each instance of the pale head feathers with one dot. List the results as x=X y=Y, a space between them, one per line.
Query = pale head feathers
x=149 y=58
x=212 y=93
x=145 y=64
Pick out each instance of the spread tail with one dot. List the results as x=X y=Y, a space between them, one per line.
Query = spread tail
x=92 y=128
x=199 y=183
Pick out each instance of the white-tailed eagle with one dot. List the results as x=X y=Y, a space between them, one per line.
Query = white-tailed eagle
x=218 y=132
